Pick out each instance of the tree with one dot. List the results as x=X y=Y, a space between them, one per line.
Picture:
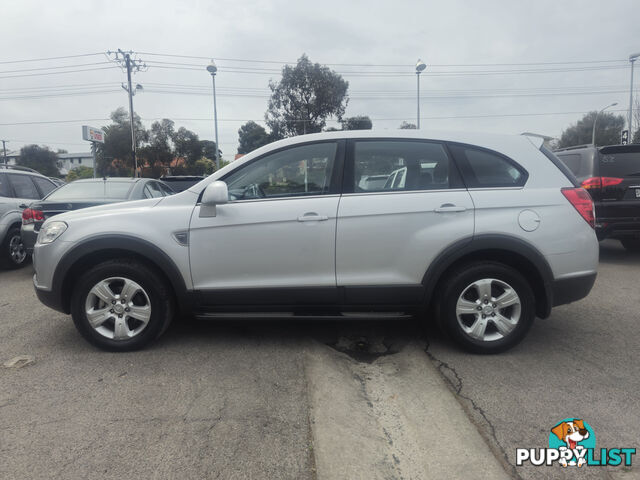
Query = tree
x=79 y=172
x=158 y=154
x=408 y=126
x=187 y=145
x=39 y=158
x=361 y=122
x=114 y=155
x=608 y=129
x=304 y=98
x=251 y=136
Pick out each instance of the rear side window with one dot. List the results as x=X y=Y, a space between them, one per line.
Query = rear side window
x=571 y=160
x=400 y=165
x=620 y=164
x=5 y=189
x=45 y=186
x=23 y=186
x=487 y=169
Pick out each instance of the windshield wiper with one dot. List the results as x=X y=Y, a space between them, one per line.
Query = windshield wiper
x=636 y=174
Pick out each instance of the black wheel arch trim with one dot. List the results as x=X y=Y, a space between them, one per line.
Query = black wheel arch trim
x=494 y=242
x=128 y=243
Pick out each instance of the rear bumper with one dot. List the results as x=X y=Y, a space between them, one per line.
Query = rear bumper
x=572 y=289
x=29 y=237
x=617 y=227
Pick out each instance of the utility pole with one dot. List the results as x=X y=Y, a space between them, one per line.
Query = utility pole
x=4 y=148
x=126 y=61
x=632 y=59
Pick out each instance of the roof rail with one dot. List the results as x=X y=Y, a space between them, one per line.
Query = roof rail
x=18 y=167
x=574 y=147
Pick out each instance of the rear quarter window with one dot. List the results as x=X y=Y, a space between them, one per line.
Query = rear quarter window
x=483 y=168
x=5 y=189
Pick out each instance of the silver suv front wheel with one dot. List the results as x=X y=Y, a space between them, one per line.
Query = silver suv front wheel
x=121 y=304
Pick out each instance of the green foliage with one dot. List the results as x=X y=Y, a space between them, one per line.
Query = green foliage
x=114 y=155
x=187 y=145
x=608 y=129
x=251 y=136
x=39 y=158
x=408 y=126
x=361 y=122
x=304 y=98
x=79 y=172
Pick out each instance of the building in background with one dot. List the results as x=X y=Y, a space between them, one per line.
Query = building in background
x=69 y=161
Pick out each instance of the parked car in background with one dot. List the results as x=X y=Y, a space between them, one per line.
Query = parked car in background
x=18 y=187
x=180 y=183
x=611 y=174
x=83 y=194
x=59 y=182
x=486 y=231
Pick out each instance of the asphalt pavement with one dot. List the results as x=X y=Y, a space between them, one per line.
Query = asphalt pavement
x=282 y=399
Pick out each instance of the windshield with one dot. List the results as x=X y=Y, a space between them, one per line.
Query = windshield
x=97 y=190
x=620 y=164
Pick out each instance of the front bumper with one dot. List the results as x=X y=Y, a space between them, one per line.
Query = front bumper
x=572 y=289
x=50 y=298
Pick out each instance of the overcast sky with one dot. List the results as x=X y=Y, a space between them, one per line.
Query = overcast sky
x=461 y=42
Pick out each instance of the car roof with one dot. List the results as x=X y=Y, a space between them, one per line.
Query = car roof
x=112 y=179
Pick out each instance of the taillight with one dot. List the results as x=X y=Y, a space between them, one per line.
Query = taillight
x=581 y=201
x=30 y=215
x=600 y=182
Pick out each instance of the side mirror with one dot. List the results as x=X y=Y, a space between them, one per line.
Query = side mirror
x=216 y=193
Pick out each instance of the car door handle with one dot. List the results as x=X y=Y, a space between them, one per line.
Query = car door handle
x=312 y=217
x=449 y=207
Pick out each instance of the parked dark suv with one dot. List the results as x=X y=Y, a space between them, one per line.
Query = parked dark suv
x=611 y=174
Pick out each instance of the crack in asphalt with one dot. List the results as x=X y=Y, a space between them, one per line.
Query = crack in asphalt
x=457 y=388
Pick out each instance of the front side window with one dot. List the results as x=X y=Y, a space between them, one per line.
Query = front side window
x=297 y=171
x=393 y=165
x=487 y=169
x=23 y=186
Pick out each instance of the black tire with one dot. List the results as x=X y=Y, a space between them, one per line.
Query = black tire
x=160 y=299
x=457 y=282
x=7 y=259
x=631 y=244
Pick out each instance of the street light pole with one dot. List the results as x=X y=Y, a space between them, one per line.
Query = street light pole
x=212 y=69
x=420 y=66
x=4 y=148
x=632 y=59
x=593 y=135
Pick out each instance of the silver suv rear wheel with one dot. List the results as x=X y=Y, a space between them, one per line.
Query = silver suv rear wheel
x=487 y=307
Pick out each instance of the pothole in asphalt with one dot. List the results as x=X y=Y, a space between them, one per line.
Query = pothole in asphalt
x=365 y=349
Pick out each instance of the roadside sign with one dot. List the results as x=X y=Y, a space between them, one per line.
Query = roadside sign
x=624 y=137
x=91 y=134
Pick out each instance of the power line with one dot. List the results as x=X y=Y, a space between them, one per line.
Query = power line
x=51 y=58
x=407 y=65
x=207 y=119
x=53 y=68
x=57 y=73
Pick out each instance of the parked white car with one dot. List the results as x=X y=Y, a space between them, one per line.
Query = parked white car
x=491 y=231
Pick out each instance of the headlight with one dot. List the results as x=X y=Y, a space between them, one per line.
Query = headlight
x=51 y=231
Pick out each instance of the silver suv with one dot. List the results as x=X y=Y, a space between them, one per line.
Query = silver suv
x=482 y=232
x=18 y=188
